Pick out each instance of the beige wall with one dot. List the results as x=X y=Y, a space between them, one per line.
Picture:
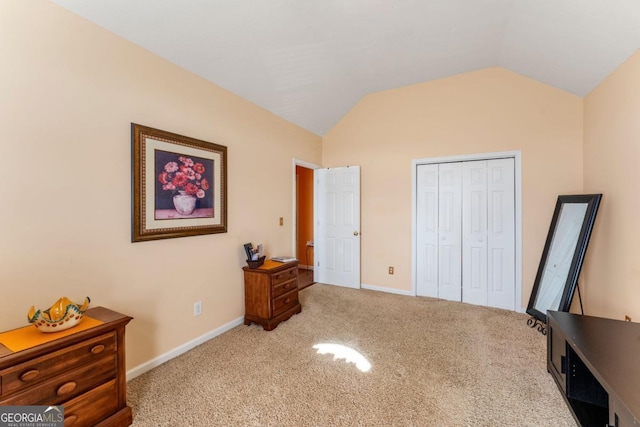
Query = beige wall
x=69 y=93
x=490 y=110
x=612 y=167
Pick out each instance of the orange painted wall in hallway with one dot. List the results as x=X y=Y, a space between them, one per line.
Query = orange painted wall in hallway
x=304 y=179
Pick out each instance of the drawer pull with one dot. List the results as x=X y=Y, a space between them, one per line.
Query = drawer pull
x=70 y=420
x=286 y=285
x=97 y=349
x=29 y=375
x=66 y=388
x=287 y=300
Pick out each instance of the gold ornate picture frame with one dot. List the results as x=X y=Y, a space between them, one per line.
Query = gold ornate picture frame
x=179 y=185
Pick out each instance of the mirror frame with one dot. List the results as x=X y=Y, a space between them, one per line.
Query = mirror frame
x=593 y=202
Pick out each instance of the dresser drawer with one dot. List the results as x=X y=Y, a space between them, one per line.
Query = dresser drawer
x=284 y=287
x=21 y=376
x=284 y=275
x=283 y=302
x=91 y=407
x=66 y=385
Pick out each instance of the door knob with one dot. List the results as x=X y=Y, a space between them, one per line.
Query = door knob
x=355 y=233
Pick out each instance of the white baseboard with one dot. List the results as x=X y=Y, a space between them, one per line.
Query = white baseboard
x=410 y=294
x=388 y=290
x=147 y=366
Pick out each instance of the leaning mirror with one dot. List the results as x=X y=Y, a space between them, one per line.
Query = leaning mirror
x=562 y=256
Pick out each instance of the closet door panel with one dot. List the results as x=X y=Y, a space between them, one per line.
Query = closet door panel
x=450 y=231
x=427 y=229
x=474 y=232
x=501 y=233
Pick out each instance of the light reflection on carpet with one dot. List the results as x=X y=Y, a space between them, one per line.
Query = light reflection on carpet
x=343 y=352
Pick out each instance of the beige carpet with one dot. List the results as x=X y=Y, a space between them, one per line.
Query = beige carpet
x=433 y=363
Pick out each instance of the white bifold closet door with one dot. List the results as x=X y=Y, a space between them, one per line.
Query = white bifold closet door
x=450 y=231
x=466 y=232
x=427 y=230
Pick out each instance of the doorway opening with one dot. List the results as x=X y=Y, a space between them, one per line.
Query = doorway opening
x=303 y=233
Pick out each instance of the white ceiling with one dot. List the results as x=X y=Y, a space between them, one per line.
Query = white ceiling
x=311 y=61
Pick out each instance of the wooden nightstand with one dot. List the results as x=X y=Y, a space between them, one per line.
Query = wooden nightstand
x=271 y=293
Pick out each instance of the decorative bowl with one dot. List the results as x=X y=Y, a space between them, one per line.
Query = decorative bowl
x=63 y=314
x=256 y=263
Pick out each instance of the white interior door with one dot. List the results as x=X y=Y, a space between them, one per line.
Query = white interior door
x=337 y=243
x=450 y=232
x=474 y=232
x=427 y=230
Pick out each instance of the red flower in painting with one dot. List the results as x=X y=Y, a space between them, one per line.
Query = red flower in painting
x=191 y=189
x=180 y=180
x=199 y=168
x=184 y=176
x=164 y=178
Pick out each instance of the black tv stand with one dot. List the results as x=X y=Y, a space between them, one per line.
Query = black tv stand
x=596 y=364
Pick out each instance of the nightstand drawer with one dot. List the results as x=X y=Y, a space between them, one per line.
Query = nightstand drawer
x=34 y=371
x=285 y=275
x=67 y=385
x=91 y=407
x=285 y=301
x=284 y=287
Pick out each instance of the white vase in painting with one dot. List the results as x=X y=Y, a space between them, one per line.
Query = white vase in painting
x=184 y=203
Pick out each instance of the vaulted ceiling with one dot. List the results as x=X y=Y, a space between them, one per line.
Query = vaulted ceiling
x=311 y=61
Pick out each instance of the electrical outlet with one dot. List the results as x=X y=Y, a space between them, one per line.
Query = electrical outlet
x=197 y=308
x=390 y=270
x=627 y=318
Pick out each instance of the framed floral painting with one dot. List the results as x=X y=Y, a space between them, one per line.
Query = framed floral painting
x=179 y=185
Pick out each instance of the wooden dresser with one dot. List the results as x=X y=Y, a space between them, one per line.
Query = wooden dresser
x=84 y=372
x=271 y=293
